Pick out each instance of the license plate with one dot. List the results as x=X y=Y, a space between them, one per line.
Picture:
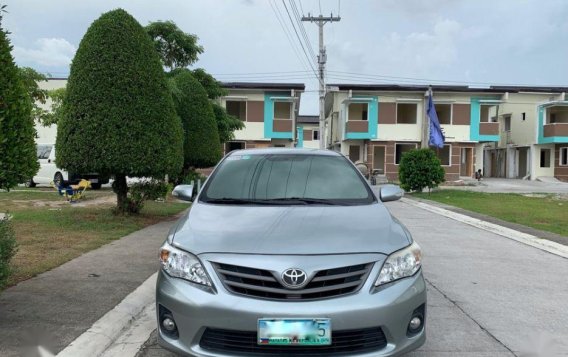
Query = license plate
x=94 y=180
x=294 y=332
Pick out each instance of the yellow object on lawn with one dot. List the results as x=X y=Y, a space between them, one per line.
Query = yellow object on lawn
x=73 y=192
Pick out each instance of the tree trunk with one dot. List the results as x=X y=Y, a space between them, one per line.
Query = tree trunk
x=121 y=189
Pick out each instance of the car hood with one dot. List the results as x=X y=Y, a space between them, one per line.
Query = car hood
x=290 y=230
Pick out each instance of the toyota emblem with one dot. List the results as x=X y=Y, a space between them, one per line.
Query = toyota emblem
x=294 y=278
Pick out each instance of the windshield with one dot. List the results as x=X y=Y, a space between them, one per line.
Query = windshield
x=286 y=179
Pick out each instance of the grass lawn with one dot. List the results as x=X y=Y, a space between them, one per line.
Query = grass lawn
x=51 y=231
x=545 y=213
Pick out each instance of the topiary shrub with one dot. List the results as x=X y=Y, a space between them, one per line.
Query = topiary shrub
x=118 y=114
x=142 y=191
x=8 y=248
x=18 y=160
x=420 y=168
x=201 y=147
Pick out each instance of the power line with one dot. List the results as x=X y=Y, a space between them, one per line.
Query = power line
x=300 y=40
x=300 y=24
x=280 y=19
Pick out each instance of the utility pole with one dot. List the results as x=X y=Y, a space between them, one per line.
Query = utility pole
x=322 y=59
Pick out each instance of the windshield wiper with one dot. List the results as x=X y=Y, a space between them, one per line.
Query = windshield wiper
x=300 y=200
x=235 y=201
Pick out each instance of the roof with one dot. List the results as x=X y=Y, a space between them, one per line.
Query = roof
x=284 y=151
x=411 y=88
x=447 y=88
x=256 y=85
x=307 y=119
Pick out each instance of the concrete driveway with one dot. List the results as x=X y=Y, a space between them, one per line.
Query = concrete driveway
x=487 y=295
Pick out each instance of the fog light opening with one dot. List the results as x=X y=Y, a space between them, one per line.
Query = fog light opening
x=168 y=325
x=416 y=323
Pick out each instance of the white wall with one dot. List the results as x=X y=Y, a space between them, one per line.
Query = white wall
x=251 y=131
x=536 y=170
x=47 y=135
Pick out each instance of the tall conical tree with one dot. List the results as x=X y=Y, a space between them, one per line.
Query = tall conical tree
x=18 y=161
x=202 y=147
x=118 y=115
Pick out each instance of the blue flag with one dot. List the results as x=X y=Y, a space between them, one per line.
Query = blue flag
x=436 y=135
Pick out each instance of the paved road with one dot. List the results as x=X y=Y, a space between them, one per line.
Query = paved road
x=487 y=295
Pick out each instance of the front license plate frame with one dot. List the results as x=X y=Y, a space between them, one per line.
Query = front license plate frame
x=294 y=332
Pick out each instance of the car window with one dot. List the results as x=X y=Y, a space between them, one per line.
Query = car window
x=281 y=177
x=43 y=151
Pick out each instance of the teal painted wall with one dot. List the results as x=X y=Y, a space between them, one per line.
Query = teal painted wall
x=300 y=133
x=475 y=118
x=269 y=117
x=372 y=115
x=551 y=139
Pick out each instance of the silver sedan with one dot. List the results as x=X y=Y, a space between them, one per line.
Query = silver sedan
x=289 y=252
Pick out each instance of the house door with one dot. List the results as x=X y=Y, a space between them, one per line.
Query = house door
x=354 y=153
x=379 y=159
x=466 y=162
x=523 y=162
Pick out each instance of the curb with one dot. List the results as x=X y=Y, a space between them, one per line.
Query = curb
x=528 y=239
x=116 y=326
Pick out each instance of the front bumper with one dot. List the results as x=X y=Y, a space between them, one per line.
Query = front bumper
x=194 y=310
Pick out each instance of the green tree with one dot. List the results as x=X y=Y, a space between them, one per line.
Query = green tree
x=226 y=123
x=212 y=86
x=31 y=78
x=18 y=161
x=118 y=114
x=52 y=116
x=420 y=168
x=176 y=48
x=202 y=147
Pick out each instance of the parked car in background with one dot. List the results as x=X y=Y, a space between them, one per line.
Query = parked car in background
x=288 y=252
x=49 y=172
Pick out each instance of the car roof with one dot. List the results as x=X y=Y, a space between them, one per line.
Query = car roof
x=284 y=151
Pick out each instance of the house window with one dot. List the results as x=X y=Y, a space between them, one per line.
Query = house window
x=237 y=108
x=508 y=123
x=406 y=113
x=358 y=111
x=400 y=149
x=444 y=112
x=282 y=110
x=545 y=157
x=563 y=159
x=315 y=135
x=444 y=155
x=488 y=113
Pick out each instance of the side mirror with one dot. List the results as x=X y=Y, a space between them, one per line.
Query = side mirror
x=183 y=192
x=391 y=193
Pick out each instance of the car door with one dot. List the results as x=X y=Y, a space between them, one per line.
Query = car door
x=46 y=164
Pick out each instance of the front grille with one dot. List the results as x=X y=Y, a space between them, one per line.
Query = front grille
x=263 y=284
x=344 y=342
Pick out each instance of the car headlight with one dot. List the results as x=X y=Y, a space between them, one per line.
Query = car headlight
x=180 y=264
x=401 y=264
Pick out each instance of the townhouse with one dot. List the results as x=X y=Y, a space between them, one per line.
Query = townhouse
x=514 y=132
x=269 y=111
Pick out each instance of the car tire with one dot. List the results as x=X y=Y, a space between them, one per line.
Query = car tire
x=96 y=186
x=58 y=179
x=30 y=183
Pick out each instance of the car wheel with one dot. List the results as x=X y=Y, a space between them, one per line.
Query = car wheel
x=58 y=179
x=96 y=186
x=30 y=183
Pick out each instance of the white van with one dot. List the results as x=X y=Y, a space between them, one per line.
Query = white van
x=49 y=172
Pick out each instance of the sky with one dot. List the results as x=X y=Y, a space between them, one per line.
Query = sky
x=462 y=42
